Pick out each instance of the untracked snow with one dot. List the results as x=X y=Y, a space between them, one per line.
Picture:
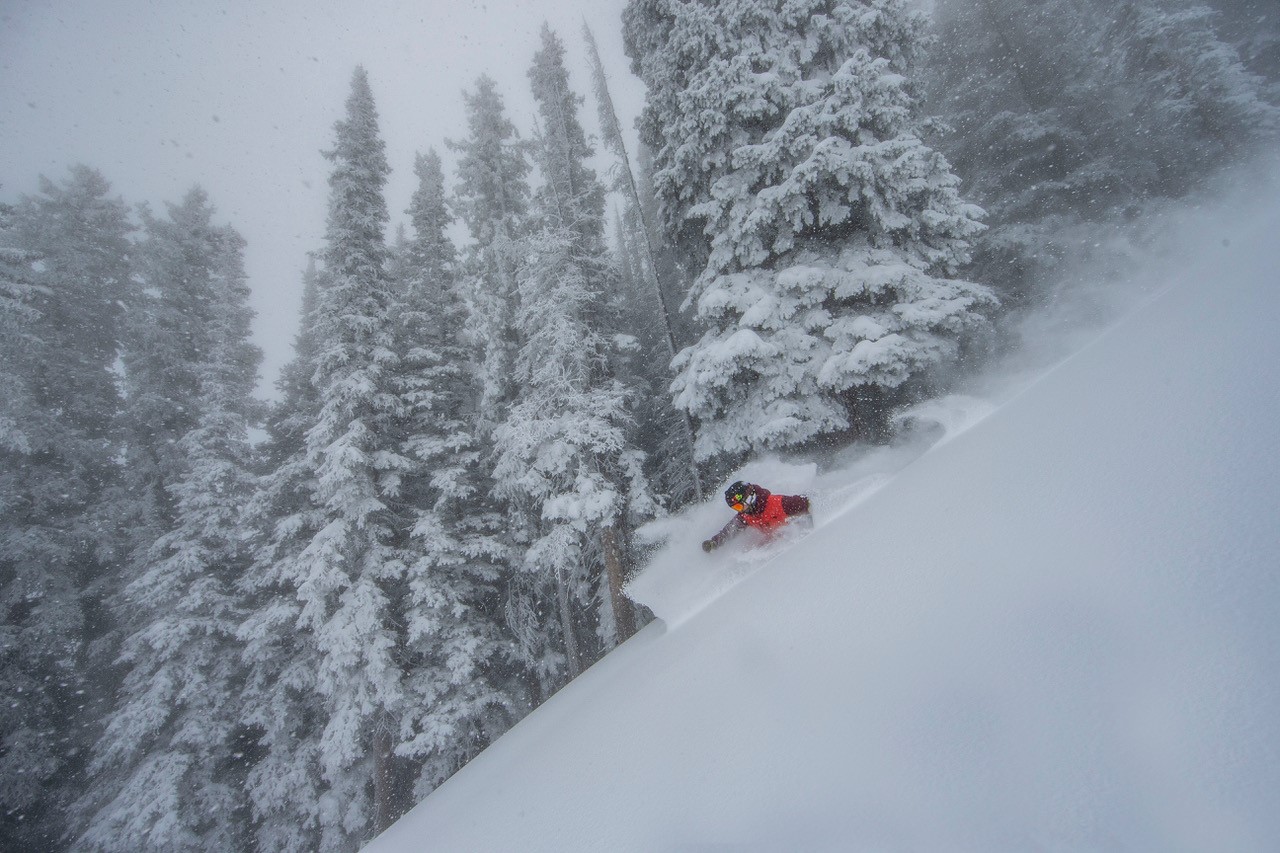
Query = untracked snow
x=1054 y=630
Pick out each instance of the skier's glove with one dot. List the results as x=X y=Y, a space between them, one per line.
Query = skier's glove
x=708 y=546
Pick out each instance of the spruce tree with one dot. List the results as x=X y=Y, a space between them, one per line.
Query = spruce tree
x=179 y=265
x=1252 y=27
x=787 y=135
x=325 y=644
x=563 y=451
x=1188 y=105
x=30 y=758
x=279 y=712
x=462 y=681
x=295 y=408
x=165 y=774
x=168 y=333
x=67 y=276
x=647 y=36
x=492 y=199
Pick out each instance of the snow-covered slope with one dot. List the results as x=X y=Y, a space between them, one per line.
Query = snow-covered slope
x=1057 y=630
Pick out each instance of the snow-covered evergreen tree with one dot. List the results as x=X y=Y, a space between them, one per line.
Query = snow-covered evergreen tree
x=787 y=134
x=492 y=198
x=462 y=681
x=29 y=757
x=181 y=264
x=278 y=701
x=675 y=273
x=165 y=773
x=570 y=196
x=295 y=410
x=563 y=448
x=998 y=95
x=647 y=31
x=325 y=645
x=168 y=334
x=66 y=266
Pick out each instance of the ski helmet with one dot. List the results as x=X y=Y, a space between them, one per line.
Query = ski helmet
x=740 y=496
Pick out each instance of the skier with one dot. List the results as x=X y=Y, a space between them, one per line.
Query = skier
x=758 y=508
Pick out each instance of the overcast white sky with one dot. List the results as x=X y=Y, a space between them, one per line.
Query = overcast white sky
x=241 y=97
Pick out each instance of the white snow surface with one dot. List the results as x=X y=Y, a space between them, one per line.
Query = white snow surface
x=1056 y=629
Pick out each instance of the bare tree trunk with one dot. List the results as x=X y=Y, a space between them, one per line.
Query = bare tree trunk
x=385 y=797
x=623 y=615
x=572 y=654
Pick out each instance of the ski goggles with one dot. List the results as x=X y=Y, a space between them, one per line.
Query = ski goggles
x=738 y=502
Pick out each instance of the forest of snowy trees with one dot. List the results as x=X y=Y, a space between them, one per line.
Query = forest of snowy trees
x=233 y=625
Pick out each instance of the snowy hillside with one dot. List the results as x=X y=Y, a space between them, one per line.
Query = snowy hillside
x=1055 y=630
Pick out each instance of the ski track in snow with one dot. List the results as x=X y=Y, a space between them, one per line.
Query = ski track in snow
x=680 y=580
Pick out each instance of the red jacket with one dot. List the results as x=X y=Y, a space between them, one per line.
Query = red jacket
x=772 y=511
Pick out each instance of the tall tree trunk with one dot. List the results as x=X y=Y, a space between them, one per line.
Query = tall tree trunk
x=572 y=654
x=623 y=615
x=612 y=132
x=385 y=800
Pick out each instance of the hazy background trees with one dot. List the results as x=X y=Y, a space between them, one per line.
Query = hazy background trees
x=1070 y=117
